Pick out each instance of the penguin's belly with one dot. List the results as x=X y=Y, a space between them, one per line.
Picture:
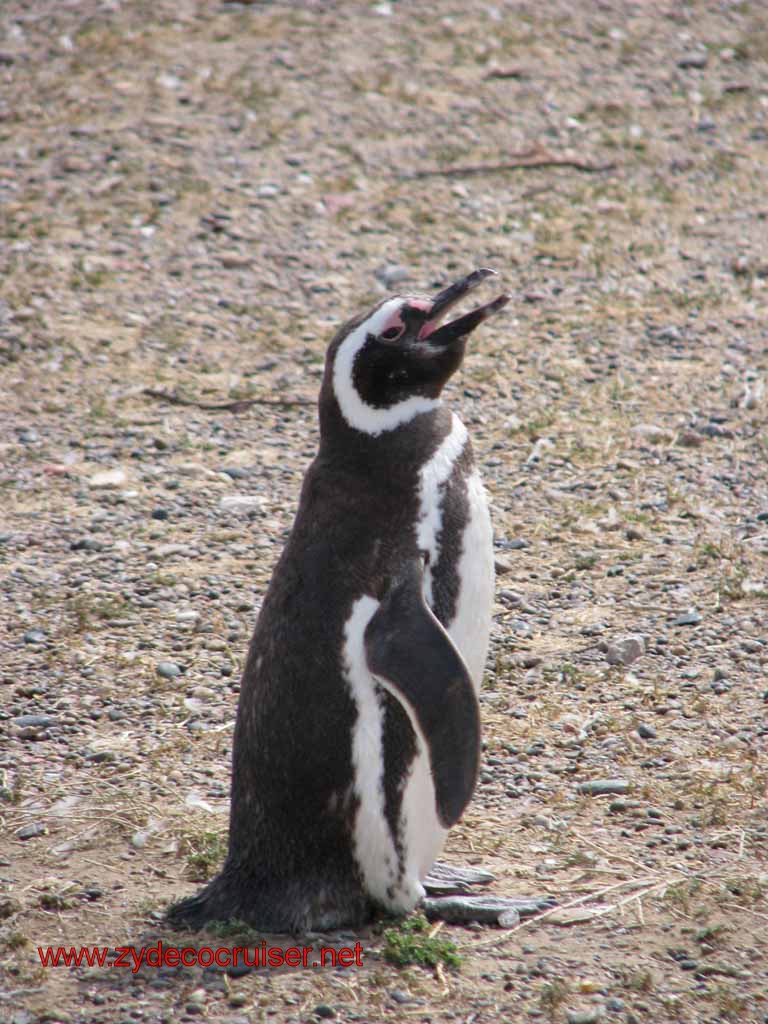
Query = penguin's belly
x=422 y=834
x=394 y=860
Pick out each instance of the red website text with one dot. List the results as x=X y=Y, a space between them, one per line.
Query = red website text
x=160 y=955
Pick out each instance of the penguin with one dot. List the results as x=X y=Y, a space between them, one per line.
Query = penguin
x=357 y=736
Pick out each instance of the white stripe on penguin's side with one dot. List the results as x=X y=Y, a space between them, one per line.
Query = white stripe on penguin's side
x=357 y=413
x=432 y=476
x=374 y=847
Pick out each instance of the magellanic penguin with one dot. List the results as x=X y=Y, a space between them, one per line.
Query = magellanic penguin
x=357 y=739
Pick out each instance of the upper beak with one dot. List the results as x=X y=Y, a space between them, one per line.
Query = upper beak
x=447 y=298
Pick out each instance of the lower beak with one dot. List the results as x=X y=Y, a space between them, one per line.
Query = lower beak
x=436 y=335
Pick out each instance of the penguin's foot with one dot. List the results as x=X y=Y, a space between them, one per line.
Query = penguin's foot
x=447 y=879
x=448 y=899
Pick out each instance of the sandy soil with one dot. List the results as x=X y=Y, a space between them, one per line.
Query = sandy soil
x=192 y=196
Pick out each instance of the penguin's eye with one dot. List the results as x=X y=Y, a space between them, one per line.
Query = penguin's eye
x=391 y=334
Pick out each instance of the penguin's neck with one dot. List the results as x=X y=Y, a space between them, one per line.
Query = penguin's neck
x=389 y=457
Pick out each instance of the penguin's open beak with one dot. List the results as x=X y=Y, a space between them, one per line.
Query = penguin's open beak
x=432 y=332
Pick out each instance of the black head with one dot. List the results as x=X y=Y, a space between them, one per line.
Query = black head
x=390 y=364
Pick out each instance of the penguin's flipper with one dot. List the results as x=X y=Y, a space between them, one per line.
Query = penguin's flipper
x=412 y=656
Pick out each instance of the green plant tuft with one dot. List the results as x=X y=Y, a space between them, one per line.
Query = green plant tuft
x=410 y=943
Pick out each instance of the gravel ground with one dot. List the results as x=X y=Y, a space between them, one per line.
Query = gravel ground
x=192 y=195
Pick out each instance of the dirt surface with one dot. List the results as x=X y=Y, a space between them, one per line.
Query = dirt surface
x=192 y=195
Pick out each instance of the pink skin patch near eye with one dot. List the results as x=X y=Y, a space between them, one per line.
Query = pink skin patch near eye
x=395 y=326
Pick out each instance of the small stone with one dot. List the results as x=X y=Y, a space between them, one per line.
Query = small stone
x=584 y=1016
x=324 y=1011
x=36 y=721
x=689 y=618
x=86 y=544
x=268 y=191
x=238 y=999
x=242 y=503
x=646 y=732
x=602 y=787
x=625 y=651
x=159 y=513
x=34 y=636
x=752 y=646
x=236 y=472
x=108 y=478
x=696 y=59
x=392 y=274
x=235 y=260
x=168 y=669
x=652 y=433
x=398 y=996
x=32 y=831
x=509 y=919
x=101 y=757
x=689 y=439
x=688 y=965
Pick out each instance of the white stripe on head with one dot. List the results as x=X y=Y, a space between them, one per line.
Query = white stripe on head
x=358 y=413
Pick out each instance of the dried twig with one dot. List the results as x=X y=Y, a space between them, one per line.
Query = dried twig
x=238 y=405
x=533 y=158
x=647 y=885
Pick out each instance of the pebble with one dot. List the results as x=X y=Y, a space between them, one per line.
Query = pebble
x=625 y=651
x=101 y=757
x=168 y=669
x=34 y=636
x=652 y=433
x=392 y=274
x=646 y=732
x=37 y=828
x=398 y=996
x=689 y=618
x=38 y=721
x=324 y=1011
x=584 y=1016
x=108 y=478
x=241 y=503
x=696 y=59
x=86 y=544
x=602 y=787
